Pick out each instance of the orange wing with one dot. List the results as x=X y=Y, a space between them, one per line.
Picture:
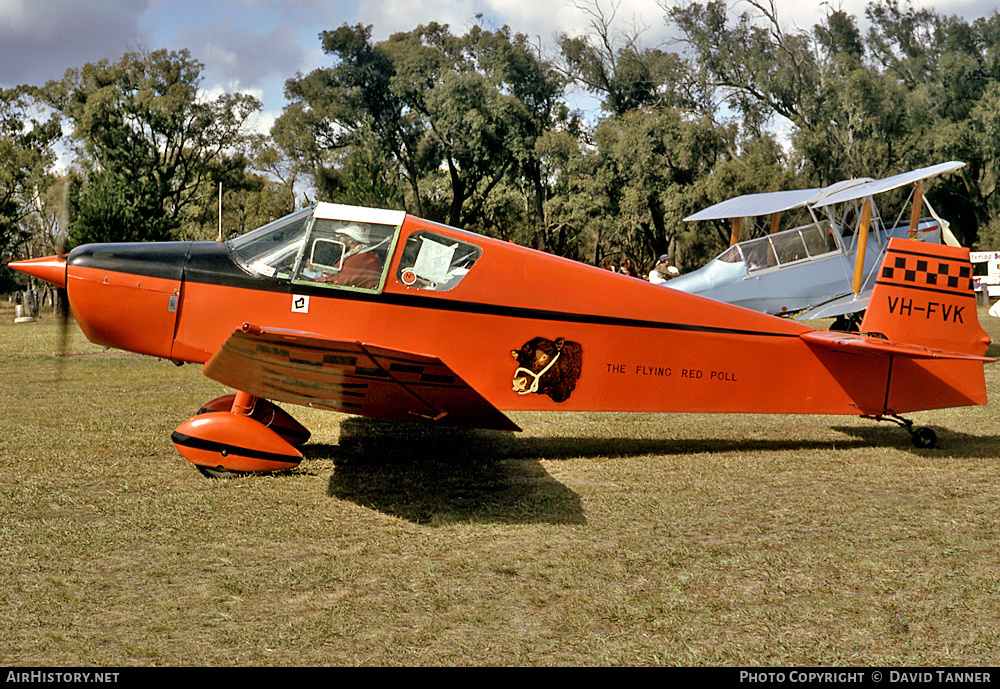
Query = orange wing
x=351 y=377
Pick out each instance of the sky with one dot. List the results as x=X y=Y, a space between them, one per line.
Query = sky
x=254 y=46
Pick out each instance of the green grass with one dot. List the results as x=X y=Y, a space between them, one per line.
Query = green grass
x=586 y=540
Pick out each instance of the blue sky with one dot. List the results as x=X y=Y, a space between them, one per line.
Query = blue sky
x=255 y=45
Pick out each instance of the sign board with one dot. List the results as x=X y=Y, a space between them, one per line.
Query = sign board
x=991 y=281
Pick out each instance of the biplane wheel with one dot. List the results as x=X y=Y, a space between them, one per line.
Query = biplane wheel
x=217 y=472
x=924 y=438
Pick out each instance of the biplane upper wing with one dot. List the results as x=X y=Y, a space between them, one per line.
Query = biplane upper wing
x=753 y=205
x=351 y=377
x=880 y=186
x=768 y=203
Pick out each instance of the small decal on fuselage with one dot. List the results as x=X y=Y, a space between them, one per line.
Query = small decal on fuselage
x=300 y=303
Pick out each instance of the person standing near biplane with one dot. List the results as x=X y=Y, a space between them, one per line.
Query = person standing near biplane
x=663 y=270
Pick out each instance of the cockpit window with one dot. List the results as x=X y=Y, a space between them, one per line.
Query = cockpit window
x=789 y=246
x=731 y=255
x=345 y=253
x=434 y=262
x=758 y=253
x=271 y=250
x=819 y=238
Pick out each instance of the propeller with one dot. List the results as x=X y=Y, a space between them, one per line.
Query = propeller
x=51 y=269
x=62 y=310
x=62 y=294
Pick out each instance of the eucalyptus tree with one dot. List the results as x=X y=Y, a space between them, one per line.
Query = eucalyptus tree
x=949 y=70
x=449 y=117
x=149 y=146
x=28 y=133
x=350 y=110
x=657 y=135
x=651 y=161
x=917 y=88
x=614 y=65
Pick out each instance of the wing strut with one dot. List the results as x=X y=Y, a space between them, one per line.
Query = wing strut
x=438 y=414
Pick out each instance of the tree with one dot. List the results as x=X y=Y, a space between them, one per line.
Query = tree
x=351 y=104
x=627 y=76
x=656 y=139
x=27 y=135
x=148 y=145
x=423 y=104
x=950 y=74
x=650 y=161
x=756 y=67
x=849 y=117
x=759 y=165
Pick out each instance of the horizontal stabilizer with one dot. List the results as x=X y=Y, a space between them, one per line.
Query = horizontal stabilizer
x=854 y=342
x=350 y=377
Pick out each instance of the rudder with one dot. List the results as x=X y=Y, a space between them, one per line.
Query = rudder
x=924 y=296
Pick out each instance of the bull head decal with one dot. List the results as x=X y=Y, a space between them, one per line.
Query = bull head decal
x=547 y=367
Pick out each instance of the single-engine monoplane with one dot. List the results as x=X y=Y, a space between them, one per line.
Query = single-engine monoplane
x=383 y=314
x=824 y=268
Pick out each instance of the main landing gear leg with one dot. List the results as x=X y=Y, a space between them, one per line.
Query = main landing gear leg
x=240 y=433
x=922 y=436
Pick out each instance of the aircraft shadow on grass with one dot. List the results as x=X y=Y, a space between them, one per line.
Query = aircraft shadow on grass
x=441 y=475
x=993 y=351
x=428 y=474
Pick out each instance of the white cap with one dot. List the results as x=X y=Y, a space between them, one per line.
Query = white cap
x=355 y=232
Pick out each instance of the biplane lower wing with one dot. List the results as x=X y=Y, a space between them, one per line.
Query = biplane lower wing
x=350 y=377
x=844 y=305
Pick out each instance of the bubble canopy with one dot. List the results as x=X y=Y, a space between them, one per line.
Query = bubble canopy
x=329 y=244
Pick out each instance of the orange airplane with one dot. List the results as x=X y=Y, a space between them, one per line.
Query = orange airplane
x=383 y=314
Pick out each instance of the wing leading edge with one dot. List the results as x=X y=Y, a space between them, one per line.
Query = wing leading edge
x=350 y=377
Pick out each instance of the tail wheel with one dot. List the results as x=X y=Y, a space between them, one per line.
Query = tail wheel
x=922 y=436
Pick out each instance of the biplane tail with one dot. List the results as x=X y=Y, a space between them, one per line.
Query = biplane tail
x=924 y=296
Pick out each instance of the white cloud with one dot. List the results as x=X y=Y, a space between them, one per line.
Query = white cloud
x=390 y=16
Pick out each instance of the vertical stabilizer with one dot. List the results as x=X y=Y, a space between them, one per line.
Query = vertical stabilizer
x=924 y=296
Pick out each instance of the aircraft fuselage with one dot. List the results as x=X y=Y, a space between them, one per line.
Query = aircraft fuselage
x=623 y=344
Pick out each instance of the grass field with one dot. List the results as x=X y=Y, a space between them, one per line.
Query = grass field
x=585 y=540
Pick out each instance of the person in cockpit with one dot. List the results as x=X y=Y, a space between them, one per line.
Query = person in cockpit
x=360 y=265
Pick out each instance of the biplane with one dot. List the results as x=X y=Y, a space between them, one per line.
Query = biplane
x=383 y=314
x=824 y=268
